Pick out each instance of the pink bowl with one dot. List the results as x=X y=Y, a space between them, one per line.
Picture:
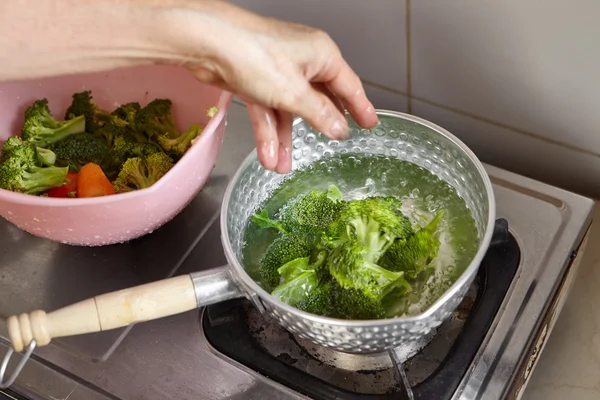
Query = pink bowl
x=122 y=217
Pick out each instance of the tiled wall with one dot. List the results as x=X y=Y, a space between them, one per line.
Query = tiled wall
x=517 y=80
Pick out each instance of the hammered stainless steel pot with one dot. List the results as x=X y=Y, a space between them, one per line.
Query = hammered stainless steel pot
x=398 y=135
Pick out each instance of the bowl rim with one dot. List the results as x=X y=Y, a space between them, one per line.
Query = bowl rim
x=257 y=293
x=210 y=129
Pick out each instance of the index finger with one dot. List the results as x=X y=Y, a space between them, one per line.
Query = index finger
x=345 y=84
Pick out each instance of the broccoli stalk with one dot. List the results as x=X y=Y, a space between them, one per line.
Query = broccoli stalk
x=42 y=129
x=176 y=147
x=83 y=105
x=142 y=172
x=46 y=157
x=21 y=169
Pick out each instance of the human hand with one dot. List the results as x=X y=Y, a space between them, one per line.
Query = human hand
x=280 y=69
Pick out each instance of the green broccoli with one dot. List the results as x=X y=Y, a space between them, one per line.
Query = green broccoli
x=413 y=254
x=142 y=172
x=354 y=304
x=313 y=212
x=176 y=147
x=283 y=250
x=353 y=265
x=83 y=105
x=383 y=210
x=125 y=146
x=318 y=301
x=127 y=112
x=156 y=119
x=21 y=170
x=298 y=280
x=42 y=129
x=263 y=220
x=78 y=150
x=46 y=157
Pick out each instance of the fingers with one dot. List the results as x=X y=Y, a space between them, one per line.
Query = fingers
x=316 y=108
x=284 y=134
x=346 y=85
x=321 y=87
x=264 y=123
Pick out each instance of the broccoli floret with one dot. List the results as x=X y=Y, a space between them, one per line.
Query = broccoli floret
x=212 y=111
x=125 y=146
x=313 y=212
x=383 y=210
x=413 y=254
x=127 y=112
x=78 y=150
x=176 y=147
x=42 y=129
x=354 y=304
x=353 y=265
x=283 y=250
x=156 y=119
x=142 y=172
x=83 y=105
x=318 y=301
x=21 y=170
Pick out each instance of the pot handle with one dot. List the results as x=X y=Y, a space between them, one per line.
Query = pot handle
x=124 y=307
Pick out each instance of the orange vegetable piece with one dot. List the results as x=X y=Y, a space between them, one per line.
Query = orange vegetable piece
x=92 y=182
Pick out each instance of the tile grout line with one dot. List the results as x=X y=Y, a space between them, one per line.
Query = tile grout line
x=481 y=119
x=408 y=59
x=508 y=127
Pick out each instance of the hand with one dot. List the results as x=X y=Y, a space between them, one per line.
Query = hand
x=280 y=69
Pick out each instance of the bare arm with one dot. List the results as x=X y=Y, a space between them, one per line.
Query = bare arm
x=278 y=68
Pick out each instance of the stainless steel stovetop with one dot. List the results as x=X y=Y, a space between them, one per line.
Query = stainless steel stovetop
x=172 y=359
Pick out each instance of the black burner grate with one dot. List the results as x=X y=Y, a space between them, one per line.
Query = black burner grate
x=228 y=331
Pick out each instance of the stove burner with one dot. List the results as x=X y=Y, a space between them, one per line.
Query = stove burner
x=434 y=367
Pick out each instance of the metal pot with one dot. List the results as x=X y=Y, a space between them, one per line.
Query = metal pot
x=398 y=135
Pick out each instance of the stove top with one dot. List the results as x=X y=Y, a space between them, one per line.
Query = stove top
x=433 y=367
x=185 y=356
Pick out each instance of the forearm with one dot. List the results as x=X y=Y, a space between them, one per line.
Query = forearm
x=45 y=37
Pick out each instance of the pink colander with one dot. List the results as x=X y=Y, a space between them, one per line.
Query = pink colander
x=121 y=217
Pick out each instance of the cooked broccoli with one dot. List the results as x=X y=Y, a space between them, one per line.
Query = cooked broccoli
x=329 y=299
x=413 y=254
x=313 y=212
x=318 y=301
x=176 y=147
x=283 y=250
x=298 y=279
x=385 y=211
x=83 y=105
x=263 y=220
x=156 y=119
x=354 y=304
x=127 y=112
x=42 y=129
x=78 y=150
x=125 y=146
x=353 y=265
x=142 y=172
x=212 y=111
x=46 y=157
x=21 y=169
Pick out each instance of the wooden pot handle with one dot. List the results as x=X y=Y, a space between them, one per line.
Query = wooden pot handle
x=104 y=312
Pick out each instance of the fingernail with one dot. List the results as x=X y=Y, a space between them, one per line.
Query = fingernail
x=340 y=130
x=268 y=150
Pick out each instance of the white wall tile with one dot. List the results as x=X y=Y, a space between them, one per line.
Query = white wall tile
x=371 y=34
x=528 y=64
x=521 y=154
x=386 y=100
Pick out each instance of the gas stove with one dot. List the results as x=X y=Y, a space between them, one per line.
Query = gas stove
x=486 y=350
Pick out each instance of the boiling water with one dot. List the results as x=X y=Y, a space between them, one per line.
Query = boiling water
x=422 y=194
